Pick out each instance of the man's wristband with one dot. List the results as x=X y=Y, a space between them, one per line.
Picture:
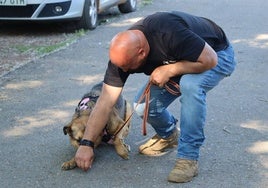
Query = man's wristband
x=88 y=143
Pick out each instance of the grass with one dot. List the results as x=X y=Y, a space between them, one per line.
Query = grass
x=146 y=2
x=46 y=49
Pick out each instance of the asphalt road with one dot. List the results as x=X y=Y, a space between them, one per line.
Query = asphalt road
x=37 y=100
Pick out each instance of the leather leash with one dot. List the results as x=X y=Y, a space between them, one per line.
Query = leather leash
x=171 y=86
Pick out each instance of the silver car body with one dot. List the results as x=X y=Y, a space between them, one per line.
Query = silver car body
x=75 y=10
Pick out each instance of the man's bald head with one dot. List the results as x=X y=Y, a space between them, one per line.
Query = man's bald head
x=128 y=49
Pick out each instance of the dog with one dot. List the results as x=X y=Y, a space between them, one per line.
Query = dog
x=114 y=133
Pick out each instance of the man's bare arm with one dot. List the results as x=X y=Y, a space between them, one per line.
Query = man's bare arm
x=207 y=60
x=98 y=118
x=100 y=113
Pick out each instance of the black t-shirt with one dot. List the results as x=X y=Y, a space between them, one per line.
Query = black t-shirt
x=172 y=36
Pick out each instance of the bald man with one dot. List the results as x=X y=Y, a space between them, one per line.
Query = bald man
x=192 y=51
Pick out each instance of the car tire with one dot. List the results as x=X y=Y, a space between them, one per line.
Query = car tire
x=89 y=19
x=128 y=6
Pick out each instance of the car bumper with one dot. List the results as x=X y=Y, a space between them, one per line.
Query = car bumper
x=38 y=10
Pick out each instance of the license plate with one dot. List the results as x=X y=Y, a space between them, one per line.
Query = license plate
x=13 y=2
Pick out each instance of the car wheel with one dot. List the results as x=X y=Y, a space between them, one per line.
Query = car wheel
x=128 y=6
x=89 y=19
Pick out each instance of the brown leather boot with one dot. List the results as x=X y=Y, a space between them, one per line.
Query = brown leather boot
x=157 y=146
x=183 y=171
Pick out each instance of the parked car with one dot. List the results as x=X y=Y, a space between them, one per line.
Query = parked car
x=83 y=12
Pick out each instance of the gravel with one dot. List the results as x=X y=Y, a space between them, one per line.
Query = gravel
x=21 y=43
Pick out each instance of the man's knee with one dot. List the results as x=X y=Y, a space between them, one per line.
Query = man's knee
x=153 y=111
x=188 y=85
x=139 y=108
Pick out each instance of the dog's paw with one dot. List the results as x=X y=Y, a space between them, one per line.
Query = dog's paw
x=68 y=165
x=122 y=149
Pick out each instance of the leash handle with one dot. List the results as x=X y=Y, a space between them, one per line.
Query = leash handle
x=173 y=88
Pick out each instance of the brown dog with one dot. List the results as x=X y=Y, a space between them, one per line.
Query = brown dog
x=75 y=129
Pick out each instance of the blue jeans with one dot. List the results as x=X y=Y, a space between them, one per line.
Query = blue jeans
x=193 y=89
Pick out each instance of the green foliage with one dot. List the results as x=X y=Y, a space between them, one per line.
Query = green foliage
x=46 y=49
x=146 y=2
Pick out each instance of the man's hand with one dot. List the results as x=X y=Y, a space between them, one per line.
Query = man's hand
x=84 y=157
x=160 y=76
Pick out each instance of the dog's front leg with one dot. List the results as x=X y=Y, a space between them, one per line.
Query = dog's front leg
x=121 y=148
x=69 y=165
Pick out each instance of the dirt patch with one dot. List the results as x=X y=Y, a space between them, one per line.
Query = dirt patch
x=21 y=43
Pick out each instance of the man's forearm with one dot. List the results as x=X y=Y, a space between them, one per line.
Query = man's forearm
x=101 y=112
x=96 y=123
x=207 y=60
x=186 y=67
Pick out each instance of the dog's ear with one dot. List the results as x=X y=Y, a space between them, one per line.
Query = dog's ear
x=66 y=129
